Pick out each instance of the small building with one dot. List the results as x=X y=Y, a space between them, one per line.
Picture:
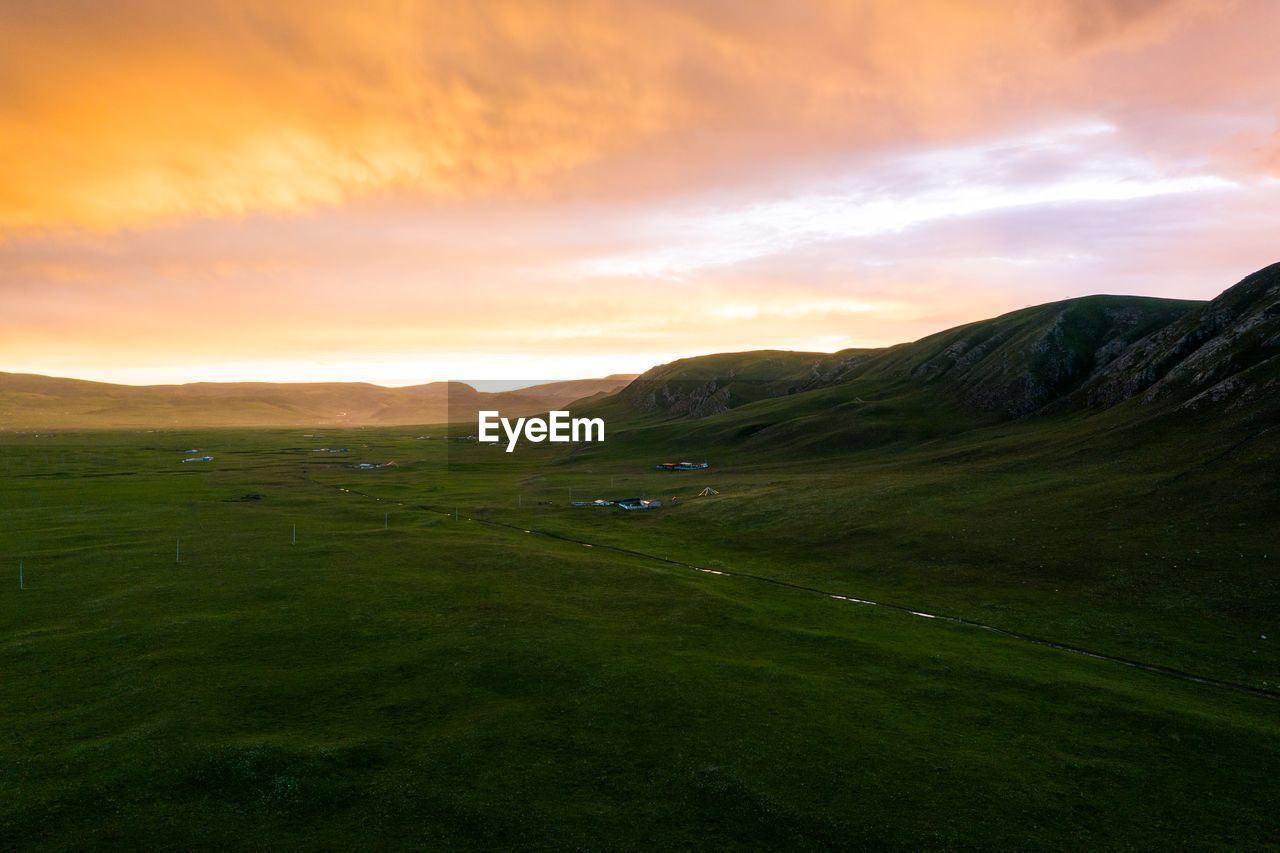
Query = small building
x=682 y=466
x=197 y=459
x=637 y=504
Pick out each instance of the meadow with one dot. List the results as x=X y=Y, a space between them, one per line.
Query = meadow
x=439 y=661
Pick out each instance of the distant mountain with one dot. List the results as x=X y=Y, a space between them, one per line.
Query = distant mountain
x=29 y=401
x=1093 y=352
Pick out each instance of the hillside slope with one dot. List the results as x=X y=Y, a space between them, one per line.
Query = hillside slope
x=1225 y=351
x=41 y=402
x=1021 y=362
x=1093 y=352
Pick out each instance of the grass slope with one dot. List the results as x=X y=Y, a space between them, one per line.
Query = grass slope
x=439 y=662
x=448 y=684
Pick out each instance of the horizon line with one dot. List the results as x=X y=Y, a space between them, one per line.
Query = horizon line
x=524 y=382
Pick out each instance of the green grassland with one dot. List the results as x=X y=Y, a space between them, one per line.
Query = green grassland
x=403 y=679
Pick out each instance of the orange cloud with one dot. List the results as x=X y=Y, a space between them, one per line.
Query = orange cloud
x=132 y=113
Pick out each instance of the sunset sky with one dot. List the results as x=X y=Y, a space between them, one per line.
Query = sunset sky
x=401 y=192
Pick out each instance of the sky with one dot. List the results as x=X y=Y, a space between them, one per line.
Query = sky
x=402 y=192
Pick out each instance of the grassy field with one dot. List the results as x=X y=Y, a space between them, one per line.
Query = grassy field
x=401 y=678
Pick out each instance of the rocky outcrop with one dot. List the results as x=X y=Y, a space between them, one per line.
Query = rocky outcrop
x=674 y=397
x=698 y=387
x=1218 y=352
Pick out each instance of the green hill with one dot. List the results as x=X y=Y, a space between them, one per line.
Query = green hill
x=1079 y=355
x=1115 y=455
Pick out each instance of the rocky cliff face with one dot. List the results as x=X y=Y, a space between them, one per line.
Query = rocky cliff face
x=1021 y=363
x=676 y=397
x=698 y=387
x=1227 y=351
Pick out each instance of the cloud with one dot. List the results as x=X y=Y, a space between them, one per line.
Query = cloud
x=1056 y=166
x=146 y=111
x=397 y=190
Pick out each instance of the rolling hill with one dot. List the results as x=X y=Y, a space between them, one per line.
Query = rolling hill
x=1079 y=355
x=30 y=401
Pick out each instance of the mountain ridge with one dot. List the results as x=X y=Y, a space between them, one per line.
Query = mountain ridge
x=1087 y=353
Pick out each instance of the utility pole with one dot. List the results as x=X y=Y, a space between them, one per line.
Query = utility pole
x=295 y=535
x=22 y=584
